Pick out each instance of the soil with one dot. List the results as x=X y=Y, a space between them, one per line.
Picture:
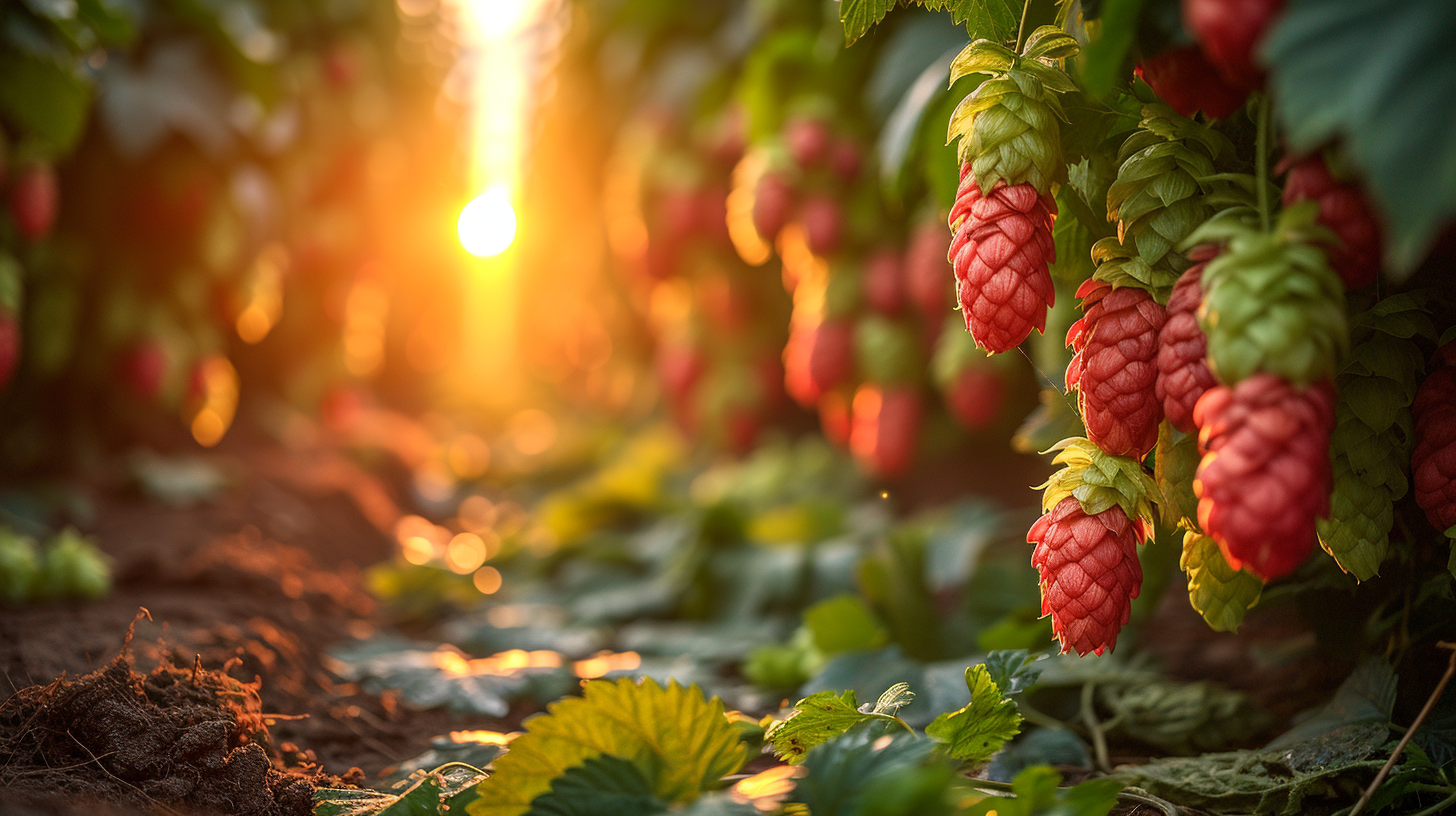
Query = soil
x=241 y=596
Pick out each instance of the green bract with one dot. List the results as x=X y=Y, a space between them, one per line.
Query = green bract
x=1271 y=301
x=1099 y=480
x=1008 y=125
x=1165 y=173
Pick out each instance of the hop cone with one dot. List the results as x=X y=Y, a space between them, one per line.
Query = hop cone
x=1010 y=153
x=1220 y=593
x=1342 y=208
x=1097 y=509
x=1114 y=370
x=885 y=428
x=1265 y=474
x=1001 y=249
x=1373 y=434
x=974 y=385
x=1271 y=302
x=1160 y=194
x=1183 y=373
x=1434 y=460
x=818 y=358
x=1089 y=573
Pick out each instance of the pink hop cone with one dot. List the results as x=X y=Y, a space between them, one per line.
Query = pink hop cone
x=1183 y=373
x=1114 y=369
x=1265 y=474
x=1001 y=248
x=1089 y=573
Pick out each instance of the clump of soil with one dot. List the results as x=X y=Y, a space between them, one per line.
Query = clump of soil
x=178 y=739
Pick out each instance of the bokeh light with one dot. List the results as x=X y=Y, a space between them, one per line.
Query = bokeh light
x=487 y=225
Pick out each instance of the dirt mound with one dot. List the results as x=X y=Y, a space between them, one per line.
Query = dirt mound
x=174 y=739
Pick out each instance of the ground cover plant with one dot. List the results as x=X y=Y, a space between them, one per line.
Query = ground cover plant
x=858 y=407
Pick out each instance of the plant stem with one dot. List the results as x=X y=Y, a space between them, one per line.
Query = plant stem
x=1439 y=807
x=1094 y=728
x=1141 y=797
x=1021 y=29
x=1420 y=718
x=1261 y=160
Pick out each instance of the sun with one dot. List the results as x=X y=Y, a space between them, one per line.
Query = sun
x=487 y=225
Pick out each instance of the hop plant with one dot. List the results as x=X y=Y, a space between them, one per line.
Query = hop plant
x=1116 y=341
x=1271 y=302
x=1096 y=510
x=1344 y=210
x=1374 y=433
x=1265 y=473
x=885 y=428
x=1434 y=460
x=1183 y=374
x=1187 y=81
x=1010 y=154
x=1217 y=591
x=974 y=385
x=1161 y=193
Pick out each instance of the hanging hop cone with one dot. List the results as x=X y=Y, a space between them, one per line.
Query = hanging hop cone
x=1097 y=509
x=1183 y=373
x=1265 y=473
x=1344 y=210
x=1374 y=433
x=1217 y=591
x=1164 y=178
x=974 y=385
x=1434 y=460
x=1271 y=302
x=1116 y=342
x=1010 y=154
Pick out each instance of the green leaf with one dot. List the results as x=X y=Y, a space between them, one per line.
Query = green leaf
x=44 y=100
x=1107 y=54
x=1013 y=670
x=1375 y=75
x=978 y=730
x=421 y=799
x=844 y=623
x=995 y=20
x=858 y=16
x=847 y=771
x=681 y=742
x=816 y=719
x=600 y=786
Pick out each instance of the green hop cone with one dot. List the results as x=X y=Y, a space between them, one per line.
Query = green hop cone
x=1374 y=435
x=1220 y=593
x=1165 y=173
x=1099 y=480
x=1008 y=125
x=74 y=568
x=1272 y=303
x=19 y=566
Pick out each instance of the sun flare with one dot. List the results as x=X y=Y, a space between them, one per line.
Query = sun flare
x=487 y=225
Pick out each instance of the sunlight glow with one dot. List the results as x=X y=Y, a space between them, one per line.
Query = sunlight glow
x=487 y=225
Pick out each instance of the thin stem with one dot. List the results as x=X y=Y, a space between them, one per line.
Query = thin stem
x=1439 y=807
x=1094 y=728
x=1021 y=29
x=1420 y=718
x=1261 y=160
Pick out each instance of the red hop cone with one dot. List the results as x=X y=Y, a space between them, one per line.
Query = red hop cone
x=1433 y=463
x=1089 y=573
x=34 y=198
x=823 y=224
x=818 y=359
x=885 y=428
x=1265 y=474
x=884 y=283
x=1345 y=212
x=1001 y=249
x=1229 y=31
x=846 y=160
x=773 y=203
x=1183 y=373
x=976 y=397
x=928 y=274
x=808 y=141
x=1114 y=370
x=9 y=345
x=1185 y=79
